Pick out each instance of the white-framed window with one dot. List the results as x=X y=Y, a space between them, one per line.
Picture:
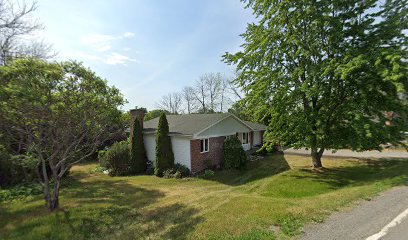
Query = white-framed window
x=204 y=145
x=245 y=136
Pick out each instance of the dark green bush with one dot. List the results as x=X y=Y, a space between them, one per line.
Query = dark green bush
x=208 y=163
x=16 y=169
x=138 y=163
x=184 y=171
x=117 y=158
x=234 y=154
x=20 y=191
x=207 y=174
x=164 y=151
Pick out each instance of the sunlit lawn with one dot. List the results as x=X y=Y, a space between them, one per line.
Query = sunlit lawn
x=273 y=198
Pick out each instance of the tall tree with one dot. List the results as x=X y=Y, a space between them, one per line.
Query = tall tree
x=200 y=94
x=188 y=95
x=164 y=151
x=323 y=74
x=138 y=153
x=171 y=102
x=16 y=20
x=61 y=113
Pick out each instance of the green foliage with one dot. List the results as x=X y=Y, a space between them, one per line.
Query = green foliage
x=117 y=159
x=291 y=226
x=207 y=174
x=164 y=151
x=234 y=154
x=256 y=234
x=154 y=114
x=324 y=74
x=138 y=153
x=16 y=169
x=20 y=192
x=208 y=163
x=185 y=172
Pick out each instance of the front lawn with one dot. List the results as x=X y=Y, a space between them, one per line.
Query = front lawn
x=273 y=198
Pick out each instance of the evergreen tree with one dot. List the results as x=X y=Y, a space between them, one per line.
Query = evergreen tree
x=138 y=153
x=164 y=151
x=324 y=74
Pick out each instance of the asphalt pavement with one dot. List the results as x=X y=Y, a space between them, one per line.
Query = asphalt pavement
x=384 y=217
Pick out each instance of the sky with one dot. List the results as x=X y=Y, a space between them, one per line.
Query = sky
x=145 y=48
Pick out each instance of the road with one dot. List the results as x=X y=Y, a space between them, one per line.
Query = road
x=384 y=217
x=349 y=153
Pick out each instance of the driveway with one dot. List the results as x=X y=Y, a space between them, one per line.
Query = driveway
x=384 y=217
x=349 y=153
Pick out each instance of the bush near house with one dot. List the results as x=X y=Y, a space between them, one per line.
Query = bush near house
x=234 y=154
x=138 y=163
x=164 y=151
x=116 y=159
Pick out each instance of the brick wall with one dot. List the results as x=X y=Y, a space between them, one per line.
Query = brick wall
x=215 y=153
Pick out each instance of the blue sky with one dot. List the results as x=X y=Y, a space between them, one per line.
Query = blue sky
x=145 y=48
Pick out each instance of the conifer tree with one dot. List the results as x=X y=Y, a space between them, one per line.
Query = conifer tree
x=164 y=151
x=138 y=162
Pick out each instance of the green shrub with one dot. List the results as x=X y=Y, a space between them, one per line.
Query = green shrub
x=234 y=154
x=138 y=162
x=174 y=173
x=117 y=158
x=184 y=171
x=16 y=169
x=207 y=174
x=20 y=191
x=164 y=151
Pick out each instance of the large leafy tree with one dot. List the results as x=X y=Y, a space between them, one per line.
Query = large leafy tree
x=326 y=74
x=59 y=113
x=164 y=151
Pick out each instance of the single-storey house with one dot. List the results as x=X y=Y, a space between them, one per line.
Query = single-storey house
x=199 y=138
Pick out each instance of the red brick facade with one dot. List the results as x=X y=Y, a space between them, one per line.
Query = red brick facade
x=215 y=154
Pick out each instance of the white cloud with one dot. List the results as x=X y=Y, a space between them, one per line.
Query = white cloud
x=103 y=48
x=92 y=39
x=128 y=34
x=116 y=58
x=127 y=49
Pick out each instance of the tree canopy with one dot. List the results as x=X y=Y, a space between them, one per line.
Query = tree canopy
x=59 y=113
x=326 y=74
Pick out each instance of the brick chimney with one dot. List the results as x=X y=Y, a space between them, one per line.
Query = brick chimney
x=139 y=115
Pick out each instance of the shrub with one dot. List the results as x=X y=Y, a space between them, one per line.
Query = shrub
x=234 y=154
x=149 y=168
x=207 y=174
x=117 y=158
x=20 y=191
x=138 y=153
x=164 y=151
x=16 y=169
x=184 y=171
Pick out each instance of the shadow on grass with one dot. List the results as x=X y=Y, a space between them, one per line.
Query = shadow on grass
x=362 y=172
x=104 y=209
x=268 y=166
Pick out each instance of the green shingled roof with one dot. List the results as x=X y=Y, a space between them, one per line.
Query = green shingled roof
x=256 y=126
x=190 y=124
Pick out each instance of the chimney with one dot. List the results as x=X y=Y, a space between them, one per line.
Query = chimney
x=138 y=114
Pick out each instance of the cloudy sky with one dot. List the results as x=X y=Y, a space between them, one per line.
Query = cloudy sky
x=145 y=48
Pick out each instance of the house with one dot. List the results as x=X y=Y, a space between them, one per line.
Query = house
x=199 y=138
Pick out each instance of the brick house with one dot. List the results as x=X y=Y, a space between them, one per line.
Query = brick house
x=198 y=139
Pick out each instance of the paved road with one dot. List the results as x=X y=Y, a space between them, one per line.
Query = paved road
x=385 y=217
x=349 y=153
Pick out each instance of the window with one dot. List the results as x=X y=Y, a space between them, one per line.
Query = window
x=245 y=138
x=204 y=146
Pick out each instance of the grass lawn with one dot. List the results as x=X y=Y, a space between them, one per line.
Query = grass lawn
x=274 y=198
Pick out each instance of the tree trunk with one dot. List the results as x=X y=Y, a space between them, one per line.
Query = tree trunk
x=317 y=157
x=54 y=204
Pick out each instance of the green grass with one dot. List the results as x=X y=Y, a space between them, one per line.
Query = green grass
x=273 y=199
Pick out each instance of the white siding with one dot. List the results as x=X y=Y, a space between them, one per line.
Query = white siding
x=257 y=138
x=228 y=126
x=180 y=145
x=181 y=150
x=150 y=146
